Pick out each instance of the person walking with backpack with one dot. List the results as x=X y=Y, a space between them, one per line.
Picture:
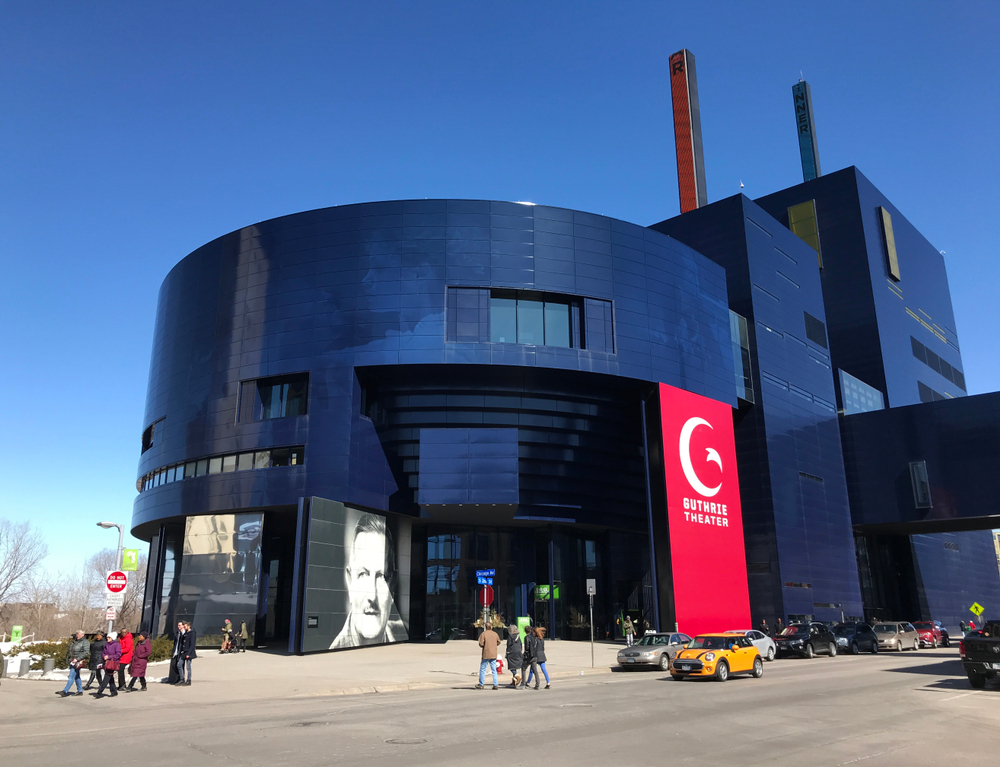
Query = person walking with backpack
x=111 y=656
x=96 y=660
x=142 y=650
x=127 y=644
x=528 y=663
x=514 y=654
x=77 y=658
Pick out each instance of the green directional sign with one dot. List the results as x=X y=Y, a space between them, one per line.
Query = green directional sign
x=16 y=632
x=130 y=559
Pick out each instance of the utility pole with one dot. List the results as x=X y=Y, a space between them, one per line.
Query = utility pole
x=118 y=559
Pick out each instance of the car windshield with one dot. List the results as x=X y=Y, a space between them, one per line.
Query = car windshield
x=793 y=630
x=924 y=626
x=711 y=643
x=653 y=639
x=885 y=628
x=844 y=630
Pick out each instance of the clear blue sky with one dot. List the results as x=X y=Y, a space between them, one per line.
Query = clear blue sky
x=131 y=133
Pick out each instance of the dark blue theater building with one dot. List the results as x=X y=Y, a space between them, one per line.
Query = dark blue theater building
x=483 y=375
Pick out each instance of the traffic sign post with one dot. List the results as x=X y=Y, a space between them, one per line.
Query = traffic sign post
x=109 y=614
x=114 y=592
x=591 y=590
x=977 y=609
x=484 y=579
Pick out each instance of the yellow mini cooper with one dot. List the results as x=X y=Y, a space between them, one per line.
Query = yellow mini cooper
x=717 y=656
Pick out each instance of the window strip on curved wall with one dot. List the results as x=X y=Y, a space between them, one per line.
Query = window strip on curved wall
x=269 y=458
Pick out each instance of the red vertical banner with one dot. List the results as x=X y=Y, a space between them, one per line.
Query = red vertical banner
x=707 y=551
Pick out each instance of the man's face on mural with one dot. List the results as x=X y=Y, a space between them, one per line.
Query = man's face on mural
x=368 y=586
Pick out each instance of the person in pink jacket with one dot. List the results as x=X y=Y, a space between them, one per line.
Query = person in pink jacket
x=141 y=651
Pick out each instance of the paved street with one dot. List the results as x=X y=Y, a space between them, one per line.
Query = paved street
x=911 y=708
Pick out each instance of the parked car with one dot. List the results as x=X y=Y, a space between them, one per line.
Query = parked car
x=855 y=637
x=717 y=656
x=932 y=634
x=653 y=649
x=806 y=639
x=897 y=636
x=760 y=640
x=980 y=653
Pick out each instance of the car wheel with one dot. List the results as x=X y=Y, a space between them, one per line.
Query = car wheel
x=722 y=671
x=770 y=654
x=758 y=668
x=946 y=641
x=809 y=651
x=916 y=645
x=832 y=650
x=934 y=644
x=664 y=662
x=978 y=681
x=854 y=648
x=874 y=647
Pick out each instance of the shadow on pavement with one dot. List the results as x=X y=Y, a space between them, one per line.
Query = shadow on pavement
x=942 y=668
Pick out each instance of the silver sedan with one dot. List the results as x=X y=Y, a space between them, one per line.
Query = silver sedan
x=654 y=649
x=764 y=644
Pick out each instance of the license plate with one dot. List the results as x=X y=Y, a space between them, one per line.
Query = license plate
x=630 y=660
x=683 y=667
x=996 y=665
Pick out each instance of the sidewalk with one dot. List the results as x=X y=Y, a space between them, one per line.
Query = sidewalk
x=389 y=668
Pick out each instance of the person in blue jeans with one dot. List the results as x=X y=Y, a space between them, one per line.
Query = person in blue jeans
x=538 y=649
x=77 y=657
x=489 y=640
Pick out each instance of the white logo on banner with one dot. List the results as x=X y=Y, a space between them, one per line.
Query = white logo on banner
x=685 y=453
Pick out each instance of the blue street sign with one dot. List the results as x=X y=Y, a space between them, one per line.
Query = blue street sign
x=484 y=581
x=485 y=573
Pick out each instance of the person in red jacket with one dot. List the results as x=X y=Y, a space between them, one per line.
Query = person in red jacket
x=127 y=646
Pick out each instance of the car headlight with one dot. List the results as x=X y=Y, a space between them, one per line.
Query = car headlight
x=710 y=656
x=649 y=654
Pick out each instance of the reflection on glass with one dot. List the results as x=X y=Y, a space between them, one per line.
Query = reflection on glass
x=215 y=465
x=530 y=323
x=503 y=320
x=557 y=324
x=202 y=467
x=262 y=459
x=244 y=462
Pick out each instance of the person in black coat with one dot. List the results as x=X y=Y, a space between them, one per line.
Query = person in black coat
x=528 y=660
x=96 y=661
x=187 y=653
x=515 y=653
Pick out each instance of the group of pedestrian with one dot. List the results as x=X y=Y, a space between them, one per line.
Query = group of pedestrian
x=233 y=641
x=106 y=659
x=184 y=653
x=525 y=660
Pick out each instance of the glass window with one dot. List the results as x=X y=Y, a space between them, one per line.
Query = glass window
x=530 y=322
x=170 y=474
x=214 y=465
x=262 y=459
x=202 y=467
x=921 y=485
x=180 y=472
x=297 y=454
x=557 y=324
x=244 y=462
x=503 y=320
x=282 y=397
x=189 y=470
x=280 y=456
x=229 y=463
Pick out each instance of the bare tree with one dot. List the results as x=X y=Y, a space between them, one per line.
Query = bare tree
x=80 y=597
x=40 y=609
x=21 y=549
x=106 y=560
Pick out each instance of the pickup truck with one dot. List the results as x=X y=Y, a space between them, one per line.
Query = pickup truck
x=980 y=653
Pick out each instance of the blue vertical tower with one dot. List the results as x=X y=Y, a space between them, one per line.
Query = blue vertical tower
x=805 y=124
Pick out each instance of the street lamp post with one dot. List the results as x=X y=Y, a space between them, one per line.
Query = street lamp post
x=118 y=559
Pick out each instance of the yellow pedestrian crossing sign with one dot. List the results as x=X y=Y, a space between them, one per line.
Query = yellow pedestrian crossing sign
x=977 y=609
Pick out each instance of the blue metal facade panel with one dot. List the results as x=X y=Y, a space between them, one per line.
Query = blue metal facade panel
x=330 y=290
x=797 y=518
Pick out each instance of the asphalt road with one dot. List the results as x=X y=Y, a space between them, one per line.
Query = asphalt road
x=888 y=709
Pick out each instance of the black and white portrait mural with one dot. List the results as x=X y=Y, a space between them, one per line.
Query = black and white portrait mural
x=357 y=587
